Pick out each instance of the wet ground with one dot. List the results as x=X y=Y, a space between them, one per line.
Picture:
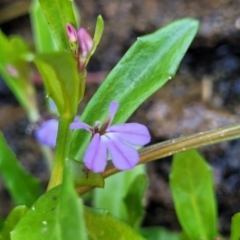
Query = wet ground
x=204 y=95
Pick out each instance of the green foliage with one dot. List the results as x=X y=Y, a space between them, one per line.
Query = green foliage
x=15 y=53
x=97 y=35
x=101 y=225
x=134 y=200
x=115 y=191
x=13 y=218
x=23 y=187
x=43 y=37
x=193 y=194
x=57 y=215
x=157 y=233
x=58 y=14
x=82 y=177
x=62 y=81
x=145 y=68
x=235 y=227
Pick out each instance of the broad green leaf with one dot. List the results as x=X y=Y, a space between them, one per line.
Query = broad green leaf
x=134 y=200
x=14 y=54
x=82 y=177
x=43 y=37
x=101 y=225
x=57 y=215
x=13 y=218
x=158 y=233
x=193 y=194
x=235 y=227
x=58 y=14
x=61 y=78
x=145 y=68
x=115 y=190
x=23 y=187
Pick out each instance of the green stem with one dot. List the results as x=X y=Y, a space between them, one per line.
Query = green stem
x=61 y=152
x=173 y=146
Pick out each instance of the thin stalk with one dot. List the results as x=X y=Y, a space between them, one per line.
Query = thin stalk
x=62 y=149
x=173 y=146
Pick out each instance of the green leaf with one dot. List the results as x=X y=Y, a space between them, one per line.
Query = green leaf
x=101 y=225
x=114 y=203
x=97 y=35
x=158 y=233
x=193 y=194
x=15 y=53
x=134 y=200
x=145 y=68
x=43 y=37
x=57 y=215
x=69 y=219
x=23 y=187
x=61 y=78
x=235 y=227
x=58 y=14
x=13 y=218
x=82 y=177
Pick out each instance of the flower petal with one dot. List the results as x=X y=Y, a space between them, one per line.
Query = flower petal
x=123 y=156
x=113 y=109
x=46 y=134
x=80 y=125
x=133 y=133
x=95 y=157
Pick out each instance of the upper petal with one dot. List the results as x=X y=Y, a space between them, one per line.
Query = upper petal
x=46 y=134
x=133 y=133
x=80 y=125
x=113 y=109
x=95 y=157
x=123 y=156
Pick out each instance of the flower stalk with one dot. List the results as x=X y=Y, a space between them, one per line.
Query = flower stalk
x=62 y=149
x=173 y=146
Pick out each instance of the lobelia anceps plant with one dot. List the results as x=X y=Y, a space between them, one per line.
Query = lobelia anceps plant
x=102 y=144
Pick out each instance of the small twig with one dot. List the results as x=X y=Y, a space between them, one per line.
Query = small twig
x=171 y=147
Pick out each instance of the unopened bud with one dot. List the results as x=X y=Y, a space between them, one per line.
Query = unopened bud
x=72 y=33
x=12 y=71
x=85 y=42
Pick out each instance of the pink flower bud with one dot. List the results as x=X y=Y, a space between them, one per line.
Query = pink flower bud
x=85 y=42
x=12 y=71
x=72 y=33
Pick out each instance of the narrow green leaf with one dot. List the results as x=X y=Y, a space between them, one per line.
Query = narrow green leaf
x=58 y=14
x=13 y=218
x=145 y=68
x=158 y=233
x=134 y=200
x=14 y=54
x=43 y=37
x=235 y=227
x=23 y=187
x=114 y=203
x=193 y=194
x=82 y=177
x=101 y=225
x=59 y=72
x=97 y=35
x=57 y=215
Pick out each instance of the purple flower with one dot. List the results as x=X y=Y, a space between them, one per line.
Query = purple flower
x=117 y=140
x=46 y=134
